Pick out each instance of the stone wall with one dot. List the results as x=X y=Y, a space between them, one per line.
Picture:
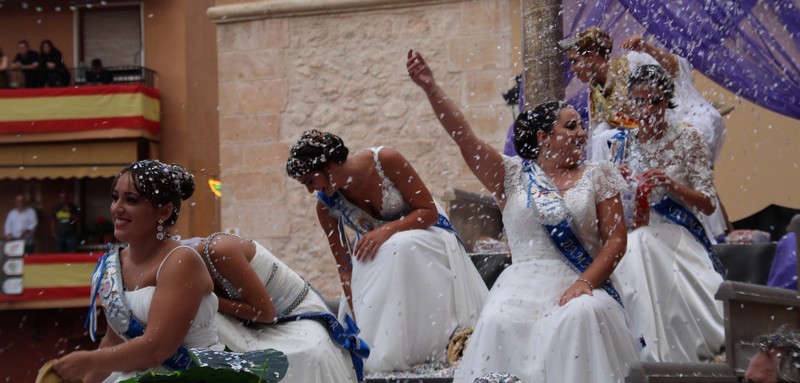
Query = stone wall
x=287 y=66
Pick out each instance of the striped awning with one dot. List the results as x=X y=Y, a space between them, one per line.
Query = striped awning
x=91 y=159
x=76 y=109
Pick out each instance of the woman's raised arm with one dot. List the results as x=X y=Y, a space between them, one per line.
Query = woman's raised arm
x=484 y=161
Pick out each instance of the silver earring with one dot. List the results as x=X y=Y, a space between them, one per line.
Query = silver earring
x=160 y=228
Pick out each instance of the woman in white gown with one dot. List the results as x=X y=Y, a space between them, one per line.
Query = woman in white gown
x=407 y=278
x=691 y=110
x=260 y=298
x=549 y=317
x=670 y=273
x=157 y=295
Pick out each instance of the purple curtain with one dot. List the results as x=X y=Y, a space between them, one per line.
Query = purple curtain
x=750 y=47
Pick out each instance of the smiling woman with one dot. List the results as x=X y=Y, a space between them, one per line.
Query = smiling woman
x=156 y=293
x=556 y=302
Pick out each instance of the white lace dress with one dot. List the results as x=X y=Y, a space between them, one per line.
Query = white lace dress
x=313 y=356
x=667 y=279
x=694 y=111
x=420 y=287
x=522 y=329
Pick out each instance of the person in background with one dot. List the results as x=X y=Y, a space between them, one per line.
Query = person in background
x=28 y=62
x=54 y=72
x=691 y=111
x=97 y=74
x=670 y=273
x=783 y=272
x=64 y=225
x=21 y=223
x=3 y=70
x=777 y=359
x=589 y=56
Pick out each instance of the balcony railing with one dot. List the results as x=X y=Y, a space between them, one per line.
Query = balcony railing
x=16 y=78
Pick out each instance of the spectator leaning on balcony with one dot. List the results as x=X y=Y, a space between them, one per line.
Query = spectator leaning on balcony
x=21 y=223
x=98 y=74
x=28 y=62
x=54 y=72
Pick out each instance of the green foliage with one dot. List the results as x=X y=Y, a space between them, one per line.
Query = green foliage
x=262 y=366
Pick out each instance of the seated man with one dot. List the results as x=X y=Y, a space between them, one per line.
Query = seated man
x=98 y=74
x=777 y=359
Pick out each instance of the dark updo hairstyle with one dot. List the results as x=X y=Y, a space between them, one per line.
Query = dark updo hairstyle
x=161 y=184
x=542 y=117
x=313 y=151
x=655 y=76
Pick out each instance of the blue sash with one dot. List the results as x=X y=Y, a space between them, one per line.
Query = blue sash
x=561 y=233
x=361 y=222
x=345 y=335
x=618 y=144
x=112 y=280
x=682 y=216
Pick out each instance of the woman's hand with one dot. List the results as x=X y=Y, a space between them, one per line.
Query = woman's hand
x=78 y=366
x=370 y=243
x=419 y=71
x=657 y=177
x=634 y=43
x=624 y=170
x=580 y=287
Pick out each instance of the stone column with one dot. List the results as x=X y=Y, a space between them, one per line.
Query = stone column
x=543 y=69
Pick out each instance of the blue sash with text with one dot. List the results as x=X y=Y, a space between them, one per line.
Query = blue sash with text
x=682 y=216
x=563 y=237
x=181 y=360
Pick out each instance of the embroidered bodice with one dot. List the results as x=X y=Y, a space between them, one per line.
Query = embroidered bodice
x=285 y=287
x=683 y=156
x=393 y=205
x=527 y=238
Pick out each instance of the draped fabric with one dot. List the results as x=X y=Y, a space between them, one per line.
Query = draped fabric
x=750 y=47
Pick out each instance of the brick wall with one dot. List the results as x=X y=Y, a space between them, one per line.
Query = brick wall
x=343 y=71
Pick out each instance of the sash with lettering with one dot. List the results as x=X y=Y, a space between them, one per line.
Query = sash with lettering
x=556 y=221
x=680 y=215
x=107 y=284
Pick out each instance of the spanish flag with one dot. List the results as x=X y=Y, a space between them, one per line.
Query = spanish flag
x=56 y=276
x=74 y=109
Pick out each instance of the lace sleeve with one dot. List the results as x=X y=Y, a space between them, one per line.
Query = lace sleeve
x=512 y=166
x=698 y=168
x=607 y=179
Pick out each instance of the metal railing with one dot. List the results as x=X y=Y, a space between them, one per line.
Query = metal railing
x=16 y=78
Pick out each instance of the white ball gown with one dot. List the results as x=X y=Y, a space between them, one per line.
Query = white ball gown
x=420 y=287
x=313 y=356
x=667 y=278
x=522 y=329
